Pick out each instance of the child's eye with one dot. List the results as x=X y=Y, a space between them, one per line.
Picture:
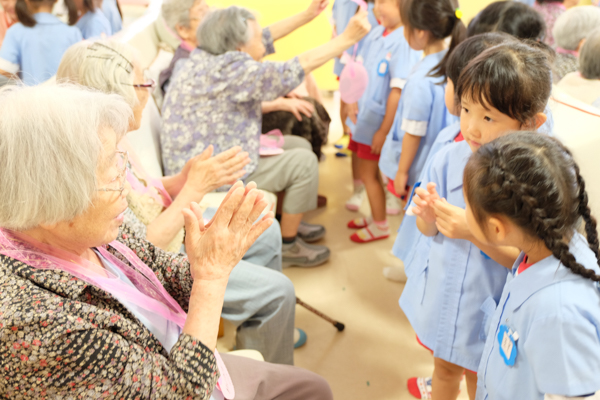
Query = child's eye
x=465 y=110
x=488 y=119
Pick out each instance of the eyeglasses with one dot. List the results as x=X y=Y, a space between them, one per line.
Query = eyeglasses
x=122 y=162
x=150 y=84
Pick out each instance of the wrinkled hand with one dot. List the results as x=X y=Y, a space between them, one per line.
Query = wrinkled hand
x=358 y=27
x=297 y=107
x=316 y=7
x=213 y=250
x=451 y=220
x=400 y=182
x=352 y=112
x=424 y=199
x=204 y=173
x=295 y=94
x=378 y=141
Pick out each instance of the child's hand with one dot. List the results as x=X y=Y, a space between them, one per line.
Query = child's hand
x=424 y=199
x=378 y=141
x=451 y=220
x=400 y=182
x=352 y=112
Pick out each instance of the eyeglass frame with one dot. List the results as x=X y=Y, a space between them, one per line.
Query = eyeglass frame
x=121 y=175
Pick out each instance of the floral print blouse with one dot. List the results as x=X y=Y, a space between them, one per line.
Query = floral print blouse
x=63 y=339
x=217 y=100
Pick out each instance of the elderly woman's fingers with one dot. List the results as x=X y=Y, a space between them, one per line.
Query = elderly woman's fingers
x=236 y=163
x=227 y=203
x=227 y=154
x=258 y=229
x=242 y=215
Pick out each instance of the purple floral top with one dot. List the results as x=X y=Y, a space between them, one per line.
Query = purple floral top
x=217 y=100
x=550 y=11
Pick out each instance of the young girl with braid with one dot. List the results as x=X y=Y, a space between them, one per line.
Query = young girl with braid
x=451 y=293
x=525 y=191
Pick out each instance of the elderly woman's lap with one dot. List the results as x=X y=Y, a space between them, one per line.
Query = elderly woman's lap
x=295 y=172
x=260 y=380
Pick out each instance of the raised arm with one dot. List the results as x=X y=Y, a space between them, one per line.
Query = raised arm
x=357 y=28
x=286 y=26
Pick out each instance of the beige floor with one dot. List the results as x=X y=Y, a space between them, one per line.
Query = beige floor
x=377 y=352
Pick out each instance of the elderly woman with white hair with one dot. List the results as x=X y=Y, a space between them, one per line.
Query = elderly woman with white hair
x=82 y=315
x=215 y=99
x=585 y=84
x=260 y=300
x=570 y=31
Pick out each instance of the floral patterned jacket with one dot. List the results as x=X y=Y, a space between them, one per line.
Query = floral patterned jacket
x=63 y=339
x=217 y=100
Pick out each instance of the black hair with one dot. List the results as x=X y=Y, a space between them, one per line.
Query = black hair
x=26 y=17
x=471 y=48
x=514 y=78
x=515 y=18
x=533 y=180
x=440 y=17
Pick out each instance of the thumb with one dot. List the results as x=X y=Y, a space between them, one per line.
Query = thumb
x=207 y=153
x=192 y=227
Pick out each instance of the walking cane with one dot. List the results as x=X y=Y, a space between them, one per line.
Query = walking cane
x=340 y=327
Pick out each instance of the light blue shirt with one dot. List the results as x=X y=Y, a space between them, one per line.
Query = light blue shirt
x=343 y=11
x=422 y=111
x=94 y=25
x=450 y=296
x=388 y=61
x=111 y=11
x=556 y=315
x=528 y=2
x=35 y=53
x=167 y=332
x=409 y=238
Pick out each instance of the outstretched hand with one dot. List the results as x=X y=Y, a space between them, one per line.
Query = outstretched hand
x=358 y=27
x=215 y=248
x=316 y=7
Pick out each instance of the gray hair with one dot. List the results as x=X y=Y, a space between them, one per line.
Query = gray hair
x=225 y=30
x=105 y=65
x=51 y=148
x=574 y=25
x=589 y=56
x=177 y=12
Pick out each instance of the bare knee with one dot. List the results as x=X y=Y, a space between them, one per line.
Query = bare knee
x=447 y=371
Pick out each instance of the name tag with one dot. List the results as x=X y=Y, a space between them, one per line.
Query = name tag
x=507 y=339
x=383 y=67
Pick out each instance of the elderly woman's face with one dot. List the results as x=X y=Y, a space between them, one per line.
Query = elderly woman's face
x=9 y=8
x=197 y=13
x=100 y=223
x=255 y=47
x=142 y=94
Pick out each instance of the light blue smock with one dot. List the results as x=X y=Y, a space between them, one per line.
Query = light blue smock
x=449 y=299
x=410 y=242
x=388 y=61
x=94 y=25
x=422 y=104
x=35 y=53
x=342 y=12
x=111 y=11
x=556 y=315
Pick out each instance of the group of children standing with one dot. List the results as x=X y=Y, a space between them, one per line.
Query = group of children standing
x=502 y=287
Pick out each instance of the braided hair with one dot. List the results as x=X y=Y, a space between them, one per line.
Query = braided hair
x=533 y=180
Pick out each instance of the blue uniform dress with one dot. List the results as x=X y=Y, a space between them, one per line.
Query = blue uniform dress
x=35 y=53
x=409 y=237
x=449 y=297
x=421 y=112
x=94 y=25
x=388 y=61
x=343 y=11
x=111 y=11
x=556 y=317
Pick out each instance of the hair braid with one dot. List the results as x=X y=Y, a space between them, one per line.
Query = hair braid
x=591 y=230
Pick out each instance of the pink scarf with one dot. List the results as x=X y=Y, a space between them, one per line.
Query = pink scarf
x=148 y=293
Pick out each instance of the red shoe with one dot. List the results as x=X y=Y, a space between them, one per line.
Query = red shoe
x=358 y=223
x=419 y=388
x=365 y=235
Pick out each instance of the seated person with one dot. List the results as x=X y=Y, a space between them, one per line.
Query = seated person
x=33 y=47
x=584 y=85
x=570 y=31
x=183 y=18
x=8 y=17
x=259 y=301
x=215 y=99
x=104 y=323
x=93 y=24
x=550 y=10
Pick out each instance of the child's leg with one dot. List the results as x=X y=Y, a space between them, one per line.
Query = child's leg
x=471 y=378
x=354 y=202
x=446 y=378
x=377 y=228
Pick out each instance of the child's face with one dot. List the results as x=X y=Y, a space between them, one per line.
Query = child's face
x=480 y=125
x=449 y=97
x=388 y=13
